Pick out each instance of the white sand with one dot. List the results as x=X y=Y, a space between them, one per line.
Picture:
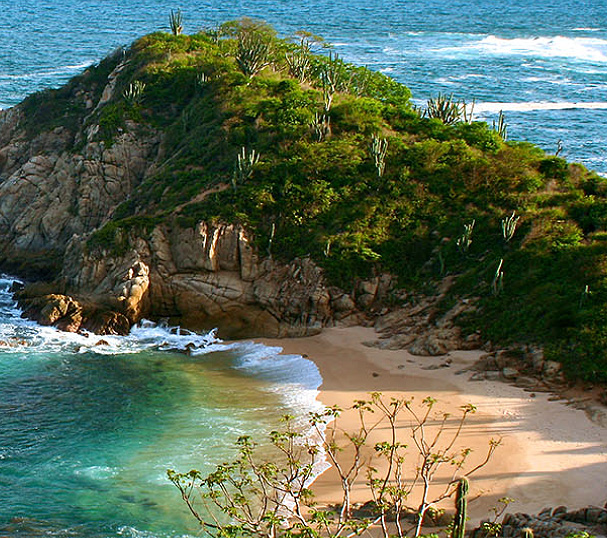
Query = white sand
x=551 y=454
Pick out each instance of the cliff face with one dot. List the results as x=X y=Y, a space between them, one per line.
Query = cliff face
x=205 y=277
x=49 y=193
x=171 y=180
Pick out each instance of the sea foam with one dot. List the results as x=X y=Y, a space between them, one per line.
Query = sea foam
x=293 y=377
x=578 y=48
x=489 y=107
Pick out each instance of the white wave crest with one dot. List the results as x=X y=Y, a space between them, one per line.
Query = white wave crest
x=578 y=48
x=586 y=49
x=61 y=70
x=293 y=376
x=489 y=107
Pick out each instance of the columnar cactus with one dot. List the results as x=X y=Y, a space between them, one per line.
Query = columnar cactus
x=509 y=226
x=379 y=147
x=500 y=126
x=176 y=22
x=461 y=509
x=244 y=166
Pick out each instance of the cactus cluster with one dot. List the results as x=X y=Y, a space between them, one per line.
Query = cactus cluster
x=134 y=93
x=245 y=163
x=509 y=226
x=253 y=53
x=321 y=125
x=465 y=240
x=298 y=62
x=448 y=110
x=176 y=22
x=333 y=79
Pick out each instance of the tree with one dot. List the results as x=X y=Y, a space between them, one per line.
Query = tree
x=272 y=497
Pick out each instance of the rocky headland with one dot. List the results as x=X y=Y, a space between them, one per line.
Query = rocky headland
x=176 y=181
x=268 y=191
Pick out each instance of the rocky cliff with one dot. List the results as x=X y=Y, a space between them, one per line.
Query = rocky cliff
x=269 y=191
x=52 y=198
x=208 y=276
x=58 y=186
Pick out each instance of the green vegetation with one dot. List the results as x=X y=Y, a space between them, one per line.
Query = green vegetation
x=66 y=106
x=270 y=497
x=345 y=170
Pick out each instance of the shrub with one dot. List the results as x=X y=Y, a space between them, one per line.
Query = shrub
x=554 y=167
x=271 y=497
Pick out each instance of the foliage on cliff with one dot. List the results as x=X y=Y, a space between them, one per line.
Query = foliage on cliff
x=320 y=158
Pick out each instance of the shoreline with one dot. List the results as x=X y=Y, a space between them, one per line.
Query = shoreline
x=551 y=454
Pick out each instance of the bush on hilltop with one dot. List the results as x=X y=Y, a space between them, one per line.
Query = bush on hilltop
x=315 y=190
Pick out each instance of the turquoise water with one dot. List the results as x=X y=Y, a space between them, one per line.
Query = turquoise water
x=87 y=432
x=543 y=63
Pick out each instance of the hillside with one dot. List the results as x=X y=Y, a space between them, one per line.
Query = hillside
x=234 y=179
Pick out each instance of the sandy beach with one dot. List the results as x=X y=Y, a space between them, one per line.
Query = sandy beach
x=551 y=454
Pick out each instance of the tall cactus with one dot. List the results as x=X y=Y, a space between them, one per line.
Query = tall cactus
x=461 y=509
x=379 y=147
x=176 y=22
x=500 y=126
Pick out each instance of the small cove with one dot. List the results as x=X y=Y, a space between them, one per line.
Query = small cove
x=88 y=431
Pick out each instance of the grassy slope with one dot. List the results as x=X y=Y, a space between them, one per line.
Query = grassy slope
x=325 y=199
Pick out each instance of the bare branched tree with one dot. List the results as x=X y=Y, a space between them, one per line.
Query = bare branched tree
x=271 y=497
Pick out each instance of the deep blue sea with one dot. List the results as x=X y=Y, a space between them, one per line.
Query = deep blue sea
x=543 y=63
x=87 y=432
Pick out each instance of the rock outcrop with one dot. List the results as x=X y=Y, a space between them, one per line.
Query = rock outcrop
x=206 y=277
x=420 y=327
x=60 y=184
x=556 y=522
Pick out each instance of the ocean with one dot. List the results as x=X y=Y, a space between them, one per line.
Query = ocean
x=543 y=63
x=89 y=425
x=87 y=431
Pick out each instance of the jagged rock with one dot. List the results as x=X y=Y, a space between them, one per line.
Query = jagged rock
x=546 y=513
x=526 y=382
x=342 y=303
x=107 y=322
x=428 y=345
x=505 y=358
x=69 y=314
x=436 y=342
x=133 y=290
x=536 y=356
x=493 y=376
x=472 y=341
x=486 y=363
x=53 y=309
x=551 y=523
x=551 y=370
x=196 y=276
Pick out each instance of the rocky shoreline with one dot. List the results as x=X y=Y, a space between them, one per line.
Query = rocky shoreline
x=556 y=522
